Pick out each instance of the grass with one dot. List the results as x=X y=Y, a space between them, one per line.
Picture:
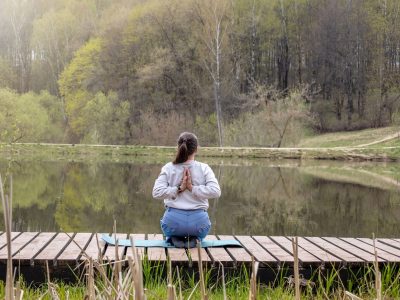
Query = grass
x=150 y=154
x=391 y=143
x=323 y=284
x=333 y=146
x=349 y=138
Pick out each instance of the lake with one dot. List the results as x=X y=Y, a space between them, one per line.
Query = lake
x=259 y=197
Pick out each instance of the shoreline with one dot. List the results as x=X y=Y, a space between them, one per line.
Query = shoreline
x=82 y=151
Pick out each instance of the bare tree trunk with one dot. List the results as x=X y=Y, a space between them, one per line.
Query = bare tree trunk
x=22 y=55
x=382 y=70
x=299 y=47
x=283 y=60
x=217 y=82
x=253 y=45
x=211 y=22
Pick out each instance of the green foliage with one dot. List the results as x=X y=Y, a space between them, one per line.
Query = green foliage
x=29 y=117
x=75 y=85
x=56 y=34
x=106 y=119
x=155 y=60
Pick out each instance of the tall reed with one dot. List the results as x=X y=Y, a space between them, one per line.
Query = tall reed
x=7 y=214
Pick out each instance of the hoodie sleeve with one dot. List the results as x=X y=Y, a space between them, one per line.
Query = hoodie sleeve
x=161 y=189
x=211 y=187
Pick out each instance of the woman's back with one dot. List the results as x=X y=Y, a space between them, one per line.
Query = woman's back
x=205 y=186
x=186 y=185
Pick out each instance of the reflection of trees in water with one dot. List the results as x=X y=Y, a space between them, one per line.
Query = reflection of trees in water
x=34 y=218
x=354 y=210
x=115 y=191
x=261 y=200
x=282 y=201
x=84 y=196
x=213 y=203
x=255 y=200
x=37 y=187
x=35 y=183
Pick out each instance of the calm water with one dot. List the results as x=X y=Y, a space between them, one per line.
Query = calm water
x=258 y=197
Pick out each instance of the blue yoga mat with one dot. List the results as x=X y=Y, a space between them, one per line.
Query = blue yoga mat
x=163 y=244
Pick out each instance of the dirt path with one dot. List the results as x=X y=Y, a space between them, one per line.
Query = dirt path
x=385 y=139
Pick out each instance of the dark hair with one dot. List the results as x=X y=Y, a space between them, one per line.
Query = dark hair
x=187 y=145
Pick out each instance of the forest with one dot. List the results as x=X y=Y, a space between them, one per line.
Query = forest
x=235 y=72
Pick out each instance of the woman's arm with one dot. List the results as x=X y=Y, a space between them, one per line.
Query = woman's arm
x=161 y=189
x=211 y=187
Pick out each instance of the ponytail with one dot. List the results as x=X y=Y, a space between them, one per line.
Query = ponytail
x=187 y=145
x=182 y=154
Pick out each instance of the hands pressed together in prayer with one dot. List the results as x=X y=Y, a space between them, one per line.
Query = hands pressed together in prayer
x=186 y=182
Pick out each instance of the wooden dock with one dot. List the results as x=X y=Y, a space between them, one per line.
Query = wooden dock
x=61 y=249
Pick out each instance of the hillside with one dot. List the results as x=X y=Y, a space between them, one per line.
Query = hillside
x=387 y=136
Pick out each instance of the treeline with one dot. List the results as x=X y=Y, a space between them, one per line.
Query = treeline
x=259 y=72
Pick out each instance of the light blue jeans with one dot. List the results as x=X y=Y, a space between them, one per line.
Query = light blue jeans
x=183 y=223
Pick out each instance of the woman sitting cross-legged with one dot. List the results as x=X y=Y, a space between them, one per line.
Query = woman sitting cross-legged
x=185 y=185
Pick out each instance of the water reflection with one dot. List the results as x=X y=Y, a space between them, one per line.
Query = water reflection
x=258 y=198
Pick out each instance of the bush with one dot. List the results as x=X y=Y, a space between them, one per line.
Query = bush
x=280 y=120
x=160 y=129
x=105 y=119
x=206 y=130
x=29 y=117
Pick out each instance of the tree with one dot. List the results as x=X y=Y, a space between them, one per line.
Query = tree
x=18 y=17
x=213 y=18
x=283 y=58
x=105 y=117
x=76 y=83
x=57 y=34
x=24 y=118
x=385 y=23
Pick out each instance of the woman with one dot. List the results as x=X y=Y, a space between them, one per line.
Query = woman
x=186 y=185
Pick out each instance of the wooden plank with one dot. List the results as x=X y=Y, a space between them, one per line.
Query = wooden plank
x=382 y=254
x=238 y=254
x=73 y=250
x=396 y=240
x=55 y=247
x=218 y=254
x=193 y=253
x=259 y=253
x=338 y=252
x=110 y=253
x=286 y=243
x=141 y=250
x=156 y=254
x=321 y=254
x=92 y=250
x=177 y=255
x=273 y=248
x=381 y=246
x=35 y=246
x=3 y=238
x=18 y=243
x=352 y=249
x=390 y=242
